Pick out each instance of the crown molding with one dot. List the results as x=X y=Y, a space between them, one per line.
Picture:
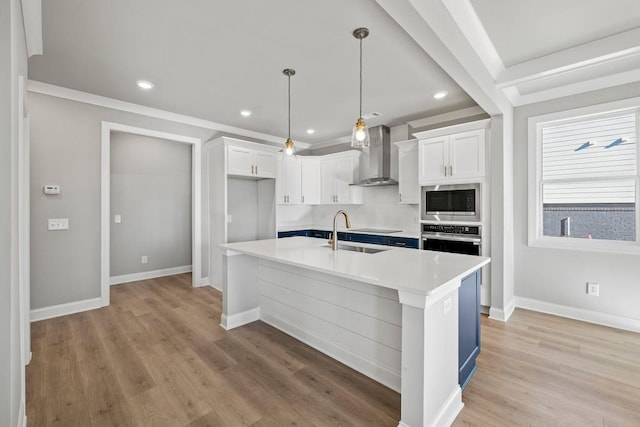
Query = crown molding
x=32 y=19
x=115 y=104
x=446 y=117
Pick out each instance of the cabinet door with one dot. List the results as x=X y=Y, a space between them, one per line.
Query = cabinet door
x=466 y=151
x=434 y=158
x=240 y=161
x=281 y=182
x=266 y=164
x=468 y=326
x=310 y=181
x=408 y=186
x=344 y=171
x=292 y=184
x=327 y=182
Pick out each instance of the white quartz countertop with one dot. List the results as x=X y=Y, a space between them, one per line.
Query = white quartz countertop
x=410 y=270
x=403 y=233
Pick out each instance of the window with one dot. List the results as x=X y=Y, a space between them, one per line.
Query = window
x=583 y=178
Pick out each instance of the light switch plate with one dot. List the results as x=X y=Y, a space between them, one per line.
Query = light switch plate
x=56 y=224
x=117 y=219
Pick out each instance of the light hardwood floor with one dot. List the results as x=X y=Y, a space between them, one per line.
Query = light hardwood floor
x=157 y=356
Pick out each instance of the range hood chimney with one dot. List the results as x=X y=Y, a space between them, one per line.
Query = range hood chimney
x=375 y=163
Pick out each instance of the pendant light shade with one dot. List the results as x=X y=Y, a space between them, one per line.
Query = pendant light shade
x=288 y=145
x=360 y=134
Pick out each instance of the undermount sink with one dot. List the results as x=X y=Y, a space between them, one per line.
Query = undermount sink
x=361 y=249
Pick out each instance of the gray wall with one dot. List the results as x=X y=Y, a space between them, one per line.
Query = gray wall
x=65 y=150
x=151 y=190
x=13 y=64
x=560 y=276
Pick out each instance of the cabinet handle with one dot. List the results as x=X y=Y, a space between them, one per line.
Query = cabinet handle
x=256 y=169
x=445 y=170
x=450 y=170
x=302 y=199
x=400 y=196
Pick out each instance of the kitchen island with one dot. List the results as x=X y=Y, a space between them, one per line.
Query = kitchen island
x=390 y=313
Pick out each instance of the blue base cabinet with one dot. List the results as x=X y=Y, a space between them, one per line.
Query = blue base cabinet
x=405 y=242
x=468 y=327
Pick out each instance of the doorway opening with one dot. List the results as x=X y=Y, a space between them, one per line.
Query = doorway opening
x=119 y=132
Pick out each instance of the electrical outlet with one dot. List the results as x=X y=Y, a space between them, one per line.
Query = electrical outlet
x=447 y=305
x=117 y=219
x=593 y=289
x=229 y=218
x=144 y=259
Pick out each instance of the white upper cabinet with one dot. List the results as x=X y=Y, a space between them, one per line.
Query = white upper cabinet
x=337 y=172
x=252 y=160
x=289 y=180
x=310 y=180
x=455 y=153
x=408 y=185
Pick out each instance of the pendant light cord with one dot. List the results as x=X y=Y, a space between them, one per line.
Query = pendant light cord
x=289 y=94
x=360 y=78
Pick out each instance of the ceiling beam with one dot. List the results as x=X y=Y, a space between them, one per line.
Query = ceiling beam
x=607 y=51
x=432 y=27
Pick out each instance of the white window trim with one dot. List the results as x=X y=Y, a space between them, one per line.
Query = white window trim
x=535 y=236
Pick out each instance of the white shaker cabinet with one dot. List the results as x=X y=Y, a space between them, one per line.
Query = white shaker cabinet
x=337 y=172
x=408 y=186
x=250 y=162
x=289 y=180
x=241 y=195
x=310 y=180
x=455 y=153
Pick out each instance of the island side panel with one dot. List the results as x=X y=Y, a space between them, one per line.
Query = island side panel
x=240 y=290
x=431 y=395
x=357 y=323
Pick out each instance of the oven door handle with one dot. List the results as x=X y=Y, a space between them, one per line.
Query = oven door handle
x=474 y=240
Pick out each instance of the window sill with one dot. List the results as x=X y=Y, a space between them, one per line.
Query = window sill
x=587 y=245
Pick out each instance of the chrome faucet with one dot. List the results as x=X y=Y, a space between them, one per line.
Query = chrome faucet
x=334 y=236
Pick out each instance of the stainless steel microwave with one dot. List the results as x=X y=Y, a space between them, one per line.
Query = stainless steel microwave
x=457 y=202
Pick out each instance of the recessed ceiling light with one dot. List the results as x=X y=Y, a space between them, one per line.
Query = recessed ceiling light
x=371 y=115
x=245 y=113
x=311 y=131
x=440 y=95
x=144 y=84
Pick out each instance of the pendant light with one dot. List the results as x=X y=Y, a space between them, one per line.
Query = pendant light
x=288 y=145
x=360 y=135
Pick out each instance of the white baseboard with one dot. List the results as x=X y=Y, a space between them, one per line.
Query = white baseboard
x=590 y=316
x=22 y=415
x=126 y=278
x=64 y=309
x=502 y=315
x=216 y=286
x=449 y=410
x=203 y=281
x=239 y=319
x=379 y=373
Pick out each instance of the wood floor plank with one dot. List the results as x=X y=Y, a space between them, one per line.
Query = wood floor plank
x=157 y=356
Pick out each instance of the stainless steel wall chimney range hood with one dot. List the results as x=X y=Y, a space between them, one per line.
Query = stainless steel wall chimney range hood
x=375 y=163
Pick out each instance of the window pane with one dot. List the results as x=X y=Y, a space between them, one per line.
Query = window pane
x=595 y=210
x=603 y=146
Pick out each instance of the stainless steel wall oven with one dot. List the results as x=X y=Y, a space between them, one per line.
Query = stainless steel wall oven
x=459 y=239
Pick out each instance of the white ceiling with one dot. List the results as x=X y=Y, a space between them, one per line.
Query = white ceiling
x=211 y=58
x=522 y=30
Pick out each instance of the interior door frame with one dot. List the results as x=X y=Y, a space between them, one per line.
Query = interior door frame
x=105 y=195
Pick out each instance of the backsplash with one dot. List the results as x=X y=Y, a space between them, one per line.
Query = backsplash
x=380 y=209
